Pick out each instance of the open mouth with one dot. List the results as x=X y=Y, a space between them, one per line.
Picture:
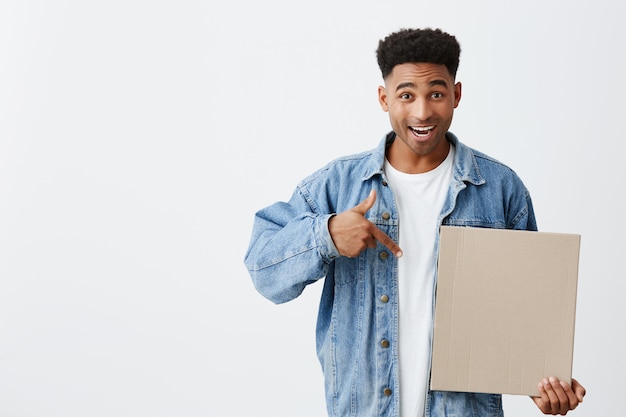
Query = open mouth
x=421 y=130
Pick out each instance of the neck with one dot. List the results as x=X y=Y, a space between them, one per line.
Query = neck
x=405 y=160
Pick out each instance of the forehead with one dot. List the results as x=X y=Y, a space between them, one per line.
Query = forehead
x=419 y=74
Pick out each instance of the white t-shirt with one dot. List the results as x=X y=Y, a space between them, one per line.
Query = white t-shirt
x=420 y=198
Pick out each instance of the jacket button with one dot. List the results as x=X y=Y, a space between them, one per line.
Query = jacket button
x=384 y=255
x=385 y=183
x=384 y=298
x=384 y=343
x=386 y=216
x=387 y=391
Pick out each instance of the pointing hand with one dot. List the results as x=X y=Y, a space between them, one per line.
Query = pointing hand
x=352 y=232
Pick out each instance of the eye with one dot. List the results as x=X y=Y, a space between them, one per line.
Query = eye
x=405 y=96
x=436 y=95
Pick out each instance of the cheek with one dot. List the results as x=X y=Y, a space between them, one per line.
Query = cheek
x=447 y=108
x=396 y=117
x=397 y=110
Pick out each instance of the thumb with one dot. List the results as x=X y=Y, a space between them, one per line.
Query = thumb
x=366 y=204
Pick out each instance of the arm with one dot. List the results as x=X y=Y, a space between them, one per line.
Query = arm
x=291 y=246
x=558 y=397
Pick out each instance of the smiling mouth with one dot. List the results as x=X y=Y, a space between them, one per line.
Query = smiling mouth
x=422 y=130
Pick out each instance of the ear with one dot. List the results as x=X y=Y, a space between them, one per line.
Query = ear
x=382 y=98
x=457 y=94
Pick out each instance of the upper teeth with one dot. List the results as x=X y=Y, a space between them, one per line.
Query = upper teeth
x=423 y=129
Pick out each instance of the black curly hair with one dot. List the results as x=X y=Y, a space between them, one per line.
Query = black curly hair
x=418 y=45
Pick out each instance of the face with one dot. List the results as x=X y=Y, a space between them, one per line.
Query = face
x=420 y=99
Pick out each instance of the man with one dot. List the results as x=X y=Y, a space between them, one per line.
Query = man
x=342 y=223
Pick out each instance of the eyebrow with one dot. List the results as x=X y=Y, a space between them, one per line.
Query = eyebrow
x=430 y=84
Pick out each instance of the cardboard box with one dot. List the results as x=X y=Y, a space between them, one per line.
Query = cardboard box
x=505 y=310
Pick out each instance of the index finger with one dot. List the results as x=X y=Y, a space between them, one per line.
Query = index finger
x=382 y=237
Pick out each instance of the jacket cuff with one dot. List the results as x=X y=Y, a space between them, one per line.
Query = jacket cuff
x=327 y=249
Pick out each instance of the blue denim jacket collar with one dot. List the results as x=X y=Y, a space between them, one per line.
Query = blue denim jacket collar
x=465 y=165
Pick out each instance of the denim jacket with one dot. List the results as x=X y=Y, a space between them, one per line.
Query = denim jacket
x=357 y=323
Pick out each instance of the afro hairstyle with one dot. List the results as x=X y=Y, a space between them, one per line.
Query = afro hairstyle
x=418 y=46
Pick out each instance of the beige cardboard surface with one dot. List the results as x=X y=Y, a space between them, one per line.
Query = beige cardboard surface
x=505 y=309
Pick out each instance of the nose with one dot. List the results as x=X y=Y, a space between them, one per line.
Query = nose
x=421 y=109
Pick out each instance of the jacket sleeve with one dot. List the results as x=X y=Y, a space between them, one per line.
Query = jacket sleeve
x=290 y=247
x=531 y=221
x=524 y=218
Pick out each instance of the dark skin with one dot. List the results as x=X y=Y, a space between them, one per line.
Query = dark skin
x=558 y=397
x=424 y=95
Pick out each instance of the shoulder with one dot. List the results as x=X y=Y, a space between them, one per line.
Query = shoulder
x=348 y=166
x=487 y=160
x=480 y=169
x=488 y=166
x=336 y=185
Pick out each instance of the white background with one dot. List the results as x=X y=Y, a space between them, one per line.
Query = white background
x=138 y=138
